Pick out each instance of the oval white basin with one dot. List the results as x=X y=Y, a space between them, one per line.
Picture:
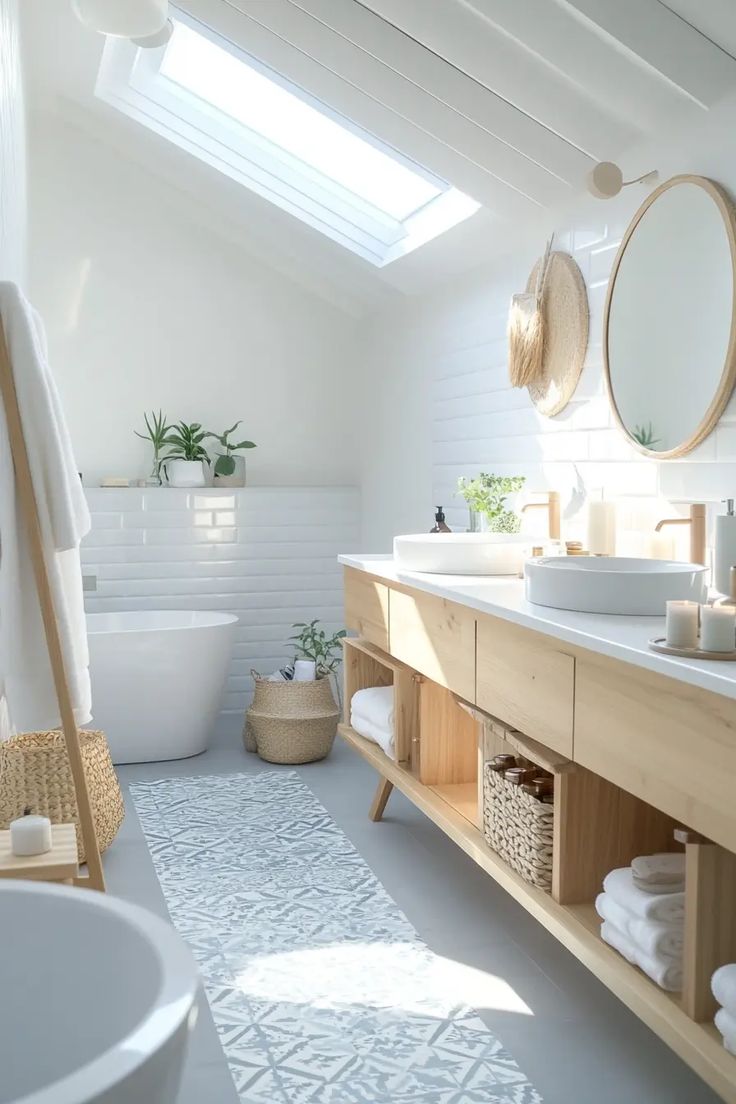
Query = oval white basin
x=611 y=584
x=462 y=553
x=97 y=999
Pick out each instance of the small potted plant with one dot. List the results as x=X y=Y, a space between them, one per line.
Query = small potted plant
x=184 y=464
x=157 y=429
x=486 y=497
x=230 y=469
x=292 y=721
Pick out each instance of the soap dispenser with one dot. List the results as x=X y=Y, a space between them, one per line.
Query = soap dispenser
x=440 y=525
x=725 y=550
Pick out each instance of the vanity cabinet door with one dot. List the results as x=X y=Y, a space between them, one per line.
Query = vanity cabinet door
x=366 y=607
x=667 y=742
x=436 y=638
x=527 y=681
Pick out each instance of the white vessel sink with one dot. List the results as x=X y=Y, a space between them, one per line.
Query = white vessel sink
x=610 y=584
x=97 y=999
x=462 y=553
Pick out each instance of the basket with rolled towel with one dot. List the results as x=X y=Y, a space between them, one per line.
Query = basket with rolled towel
x=642 y=907
x=372 y=716
x=723 y=987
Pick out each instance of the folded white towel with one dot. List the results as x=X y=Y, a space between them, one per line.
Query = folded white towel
x=661 y=873
x=665 y=972
x=25 y=671
x=376 y=704
x=725 y=1021
x=375 y=733
x=723 y=986
x=666 y=907
x=651 y=936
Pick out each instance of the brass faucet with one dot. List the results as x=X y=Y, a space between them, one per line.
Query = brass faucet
x=552 y=506
x=696 y=521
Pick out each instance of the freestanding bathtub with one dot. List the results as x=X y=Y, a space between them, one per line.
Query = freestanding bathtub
x=157 y=680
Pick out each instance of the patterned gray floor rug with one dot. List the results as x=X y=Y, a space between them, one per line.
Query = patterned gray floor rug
x=322 y=991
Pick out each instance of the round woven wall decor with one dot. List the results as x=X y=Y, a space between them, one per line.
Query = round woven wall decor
x=565 y=309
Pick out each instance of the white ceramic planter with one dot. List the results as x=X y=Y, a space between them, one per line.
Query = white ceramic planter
x=237 y=479
x=185 y=473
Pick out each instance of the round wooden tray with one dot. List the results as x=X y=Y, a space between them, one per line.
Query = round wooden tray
x=658 y=644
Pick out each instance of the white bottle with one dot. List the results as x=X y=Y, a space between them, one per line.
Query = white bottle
x=725 y=550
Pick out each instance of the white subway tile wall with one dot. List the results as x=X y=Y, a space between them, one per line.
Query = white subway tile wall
x=267 y=554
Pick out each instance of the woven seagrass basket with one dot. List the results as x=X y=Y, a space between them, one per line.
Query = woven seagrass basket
x=35 y=774
x=291 y=722
x=518 y=826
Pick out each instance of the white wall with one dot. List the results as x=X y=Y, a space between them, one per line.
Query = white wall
x=268 y=555
x=12 y=147
x=437 y=382
x=147 y=307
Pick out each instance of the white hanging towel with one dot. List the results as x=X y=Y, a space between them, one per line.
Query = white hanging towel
x=26 y=680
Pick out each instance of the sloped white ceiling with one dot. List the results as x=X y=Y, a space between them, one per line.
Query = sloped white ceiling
x=510 y=100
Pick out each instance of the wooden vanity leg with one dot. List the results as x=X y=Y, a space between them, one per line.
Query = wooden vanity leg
x=710 y=923
x=380 y=798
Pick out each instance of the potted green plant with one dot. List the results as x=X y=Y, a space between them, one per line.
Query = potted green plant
x=230 y=469
x=486 y=498
x=157 y=429
x=184 y=464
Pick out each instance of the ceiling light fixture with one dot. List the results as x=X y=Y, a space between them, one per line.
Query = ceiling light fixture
x=123 y=18
x=605 y=180
x=152 y=42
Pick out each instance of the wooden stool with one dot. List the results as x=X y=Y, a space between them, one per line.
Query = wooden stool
x=60 y=864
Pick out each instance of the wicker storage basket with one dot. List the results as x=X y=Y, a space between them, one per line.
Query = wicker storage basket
x=291 y=722
x=35 y=773
x=518 y=826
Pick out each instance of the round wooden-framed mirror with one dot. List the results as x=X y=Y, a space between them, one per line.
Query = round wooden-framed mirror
x=669 y=330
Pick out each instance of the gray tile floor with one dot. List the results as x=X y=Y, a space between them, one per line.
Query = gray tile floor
x=580 y=1045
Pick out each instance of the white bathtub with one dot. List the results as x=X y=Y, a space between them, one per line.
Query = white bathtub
x=157 y=680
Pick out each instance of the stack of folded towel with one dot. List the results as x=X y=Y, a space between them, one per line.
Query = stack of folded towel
x=372 y=716
x=723 y=986
x=643 y=911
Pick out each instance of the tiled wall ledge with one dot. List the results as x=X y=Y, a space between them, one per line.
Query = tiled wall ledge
x=267 y=554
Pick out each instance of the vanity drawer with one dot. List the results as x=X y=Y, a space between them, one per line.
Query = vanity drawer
x=671 y=744
x=436 y=638
x=366 y=607
x=525 y=680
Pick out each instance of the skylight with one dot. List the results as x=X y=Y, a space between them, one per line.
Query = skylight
x=250 y=123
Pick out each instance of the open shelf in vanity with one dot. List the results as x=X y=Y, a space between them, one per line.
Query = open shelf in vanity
x=599 y=824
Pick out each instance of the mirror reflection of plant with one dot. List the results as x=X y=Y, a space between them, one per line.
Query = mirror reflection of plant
x=225 y=463
x=487 y=494
x=157 y=429
x=185 y=441
x=644 y=435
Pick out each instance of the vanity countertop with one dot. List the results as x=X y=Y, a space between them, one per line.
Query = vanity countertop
x=620 y=637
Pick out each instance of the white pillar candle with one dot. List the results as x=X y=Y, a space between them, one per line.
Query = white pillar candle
x=601 y=539
x=305 y=670
x=30 y=835
x=682 y=624
x=718 y=628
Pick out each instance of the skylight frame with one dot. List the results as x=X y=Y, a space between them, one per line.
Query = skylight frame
x=131 y=80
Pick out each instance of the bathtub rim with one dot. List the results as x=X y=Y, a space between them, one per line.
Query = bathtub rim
x=149 y=621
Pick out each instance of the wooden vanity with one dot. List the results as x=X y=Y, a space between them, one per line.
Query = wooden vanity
x=638 y=744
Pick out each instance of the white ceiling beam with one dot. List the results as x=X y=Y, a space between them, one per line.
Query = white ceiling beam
x=462 y=38
x=561 y=41
x=665 y=42
x=412 y=103
x=233 y=21
x=716 y=20
x=445 y=83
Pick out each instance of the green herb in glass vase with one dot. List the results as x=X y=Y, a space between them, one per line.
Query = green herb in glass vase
x=156 y=430
x=486 y=497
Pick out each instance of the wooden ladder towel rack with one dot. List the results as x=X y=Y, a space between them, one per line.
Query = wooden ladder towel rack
x=95 y=878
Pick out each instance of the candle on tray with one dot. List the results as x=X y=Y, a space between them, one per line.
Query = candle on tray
x=30 y=835
x=682 y=624
x=718 y=629
x=601 y=528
